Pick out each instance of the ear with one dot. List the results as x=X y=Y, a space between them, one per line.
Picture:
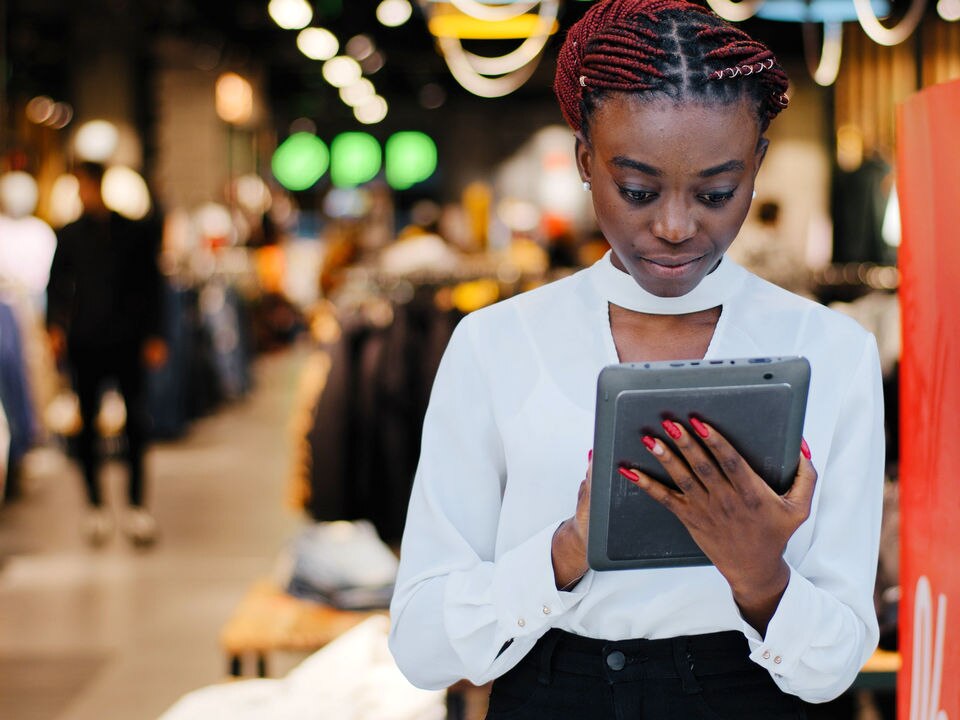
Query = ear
x=761 y=153
x=583 y=153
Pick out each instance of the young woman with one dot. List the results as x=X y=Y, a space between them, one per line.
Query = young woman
x=669 y=105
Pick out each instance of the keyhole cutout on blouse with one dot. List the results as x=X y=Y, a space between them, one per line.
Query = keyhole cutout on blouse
x=644 y=337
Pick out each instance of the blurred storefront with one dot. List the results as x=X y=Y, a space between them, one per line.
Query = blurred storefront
x=358 y=176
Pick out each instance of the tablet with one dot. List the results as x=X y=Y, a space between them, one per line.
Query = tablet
x=758 y=404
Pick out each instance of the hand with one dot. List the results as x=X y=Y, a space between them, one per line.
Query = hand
x=737 y=520
x=569 y=549
x=58 y=342
x=155 y=353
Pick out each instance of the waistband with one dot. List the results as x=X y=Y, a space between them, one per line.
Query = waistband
x=685 y=657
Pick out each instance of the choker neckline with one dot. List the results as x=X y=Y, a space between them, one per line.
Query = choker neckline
x=619 y=288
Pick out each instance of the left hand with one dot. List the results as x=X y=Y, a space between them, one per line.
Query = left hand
x=155 y=353
x=738 y=521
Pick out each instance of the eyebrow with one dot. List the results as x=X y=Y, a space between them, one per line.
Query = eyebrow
x=625 y=162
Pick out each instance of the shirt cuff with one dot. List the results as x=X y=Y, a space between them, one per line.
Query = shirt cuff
x=788 y=633
x=525 y=590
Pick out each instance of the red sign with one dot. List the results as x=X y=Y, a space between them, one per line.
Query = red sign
x=928 y=185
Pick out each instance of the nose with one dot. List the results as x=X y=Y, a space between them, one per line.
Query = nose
x=674 y=221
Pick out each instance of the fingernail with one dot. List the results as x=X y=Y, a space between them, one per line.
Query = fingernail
x=630 y=475
x=699 y=428
x=671 y=428
x=648 y=442
x=804 y=448
x=590 y=455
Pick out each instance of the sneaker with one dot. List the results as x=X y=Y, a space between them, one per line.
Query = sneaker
x=97 y=526
x=140 y=527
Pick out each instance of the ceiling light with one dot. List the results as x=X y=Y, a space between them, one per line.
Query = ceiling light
x=341 y=71
x=317 y=43
x=372 y=111
x=358 y=92
x=883 y=35
x=290 y=14
x=394 y=13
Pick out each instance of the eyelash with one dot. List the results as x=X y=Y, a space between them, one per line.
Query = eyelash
x=714 y=200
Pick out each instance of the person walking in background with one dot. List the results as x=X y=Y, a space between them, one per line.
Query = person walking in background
x=103 y=319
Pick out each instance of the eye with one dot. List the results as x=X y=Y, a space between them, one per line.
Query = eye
x=637 y=196
x=717 y=199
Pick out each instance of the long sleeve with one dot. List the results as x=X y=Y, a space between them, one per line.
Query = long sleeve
x=825 y=627
x=460 y=610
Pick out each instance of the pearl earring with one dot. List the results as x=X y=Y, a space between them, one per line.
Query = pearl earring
x=754 y=194
x=586 y=186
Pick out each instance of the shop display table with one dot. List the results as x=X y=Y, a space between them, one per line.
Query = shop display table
x=269 y=620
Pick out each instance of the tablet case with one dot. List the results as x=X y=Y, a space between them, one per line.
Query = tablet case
x=758 y=404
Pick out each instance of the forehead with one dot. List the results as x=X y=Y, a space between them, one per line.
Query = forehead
x=680 y=136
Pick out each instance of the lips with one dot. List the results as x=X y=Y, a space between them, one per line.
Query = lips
x=673 y=262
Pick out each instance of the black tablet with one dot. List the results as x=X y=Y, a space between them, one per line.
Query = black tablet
x=758 y=404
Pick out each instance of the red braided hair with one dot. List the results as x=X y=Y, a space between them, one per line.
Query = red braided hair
x=673 y=47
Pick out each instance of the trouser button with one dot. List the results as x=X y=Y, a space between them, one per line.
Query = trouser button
x=616 y=660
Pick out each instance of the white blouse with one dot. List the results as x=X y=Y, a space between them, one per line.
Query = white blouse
x=504 y=449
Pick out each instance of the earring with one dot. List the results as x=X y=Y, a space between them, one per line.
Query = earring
x=586 y=186
x=754 y=194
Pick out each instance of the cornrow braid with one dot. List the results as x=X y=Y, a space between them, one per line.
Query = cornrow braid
x=671 y=48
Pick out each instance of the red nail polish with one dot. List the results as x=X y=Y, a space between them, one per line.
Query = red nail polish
x=699 y=428
x=590 y=455
x=630 y=475
x=648 y=442
x=671 y=428
x=804 y=448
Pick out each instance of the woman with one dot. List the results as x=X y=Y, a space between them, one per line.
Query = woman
x=669 y=105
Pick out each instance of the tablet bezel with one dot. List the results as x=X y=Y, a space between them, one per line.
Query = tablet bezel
x=744 y=376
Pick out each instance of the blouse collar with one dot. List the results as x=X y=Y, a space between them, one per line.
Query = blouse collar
x=619 y=288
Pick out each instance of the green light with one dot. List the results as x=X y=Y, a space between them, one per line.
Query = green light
x=355 y=159
x=411 y=158
x=300 y=161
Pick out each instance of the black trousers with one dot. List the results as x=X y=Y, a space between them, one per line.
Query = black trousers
x=92 y=369
x=693 y=677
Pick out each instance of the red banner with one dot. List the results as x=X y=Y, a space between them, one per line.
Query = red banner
x=928 y=185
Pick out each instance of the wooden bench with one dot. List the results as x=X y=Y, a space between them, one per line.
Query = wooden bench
x=269 y=620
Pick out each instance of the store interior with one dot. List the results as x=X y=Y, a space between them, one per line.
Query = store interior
x=335 y=185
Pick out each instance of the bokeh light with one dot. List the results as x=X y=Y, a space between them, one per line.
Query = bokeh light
x=394 y=13
x=290 y=14
x=341 y=71
x=358 y=92
x=411 y=158
x=300 y=161
x=234 y=99
x=65 y=205
x=355 y=158
x=96 y=141
x=125 y=192
x=371 y=111
x=317 y=43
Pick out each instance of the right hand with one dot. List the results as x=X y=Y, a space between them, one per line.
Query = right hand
x=569 y=549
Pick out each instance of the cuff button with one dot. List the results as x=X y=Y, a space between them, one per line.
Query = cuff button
x=778 y=659
x=546 y=610
x=766 y=655
x=521 y=622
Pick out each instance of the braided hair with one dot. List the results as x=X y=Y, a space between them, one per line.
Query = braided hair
x=668 y=48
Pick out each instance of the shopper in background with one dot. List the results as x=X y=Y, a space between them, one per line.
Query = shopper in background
x=103 y=318
x=669 y=105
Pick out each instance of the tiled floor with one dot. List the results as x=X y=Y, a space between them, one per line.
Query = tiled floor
x=120 y=634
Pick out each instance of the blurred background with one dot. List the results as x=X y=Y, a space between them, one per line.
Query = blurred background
x=326 y=187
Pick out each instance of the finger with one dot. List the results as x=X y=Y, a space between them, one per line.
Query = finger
x=677 y=467
x=800 y=495
x=672 y=500
x=731 y=463
x=697 y=459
